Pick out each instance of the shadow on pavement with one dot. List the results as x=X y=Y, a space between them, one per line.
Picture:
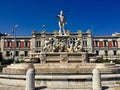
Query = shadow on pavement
x=41 y=87
x=104 y=87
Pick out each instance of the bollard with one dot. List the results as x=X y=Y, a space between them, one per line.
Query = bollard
x=30 y=79
x=96 y=80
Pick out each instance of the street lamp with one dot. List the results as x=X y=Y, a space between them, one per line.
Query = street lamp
x=14 y=34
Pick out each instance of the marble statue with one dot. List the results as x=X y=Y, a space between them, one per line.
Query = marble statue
x=77 y=47
x=58 y=47
x=70 y=48
x=48 y=45
x=56 y=33
x=79 y=33
x=61 y=23
x=67 y=32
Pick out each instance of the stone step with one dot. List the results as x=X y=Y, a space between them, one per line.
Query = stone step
x=66 y=88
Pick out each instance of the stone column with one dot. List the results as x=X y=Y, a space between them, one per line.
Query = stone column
x=96 y=80
x=33 y=42
x=43 y=36
x=2 y=45
x=89 y=41
x=30 y=79
x=80 y=36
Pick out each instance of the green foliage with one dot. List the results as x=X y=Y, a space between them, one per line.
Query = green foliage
x=7 y=62
x=116 y=61
x=10 y=61
x=105 y=61
x=0 y=69
x=22 y=61
x=118 y=82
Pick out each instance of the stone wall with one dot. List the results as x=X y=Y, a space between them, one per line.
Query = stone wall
x=60 y=81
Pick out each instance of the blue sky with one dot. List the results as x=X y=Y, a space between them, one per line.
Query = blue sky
x=102 y=15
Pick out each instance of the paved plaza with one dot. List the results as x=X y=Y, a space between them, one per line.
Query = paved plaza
x=7 y=87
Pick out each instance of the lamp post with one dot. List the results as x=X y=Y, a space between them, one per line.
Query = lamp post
x=14 y=34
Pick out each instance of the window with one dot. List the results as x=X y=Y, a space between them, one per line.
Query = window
x=85 y=43
x=114 y=43
x=26 y=43
x=26 y=53
x=72 y=40
x=17 y=53
x=106 y=53
x=97 y=52
x=96 y=43
x=8 y=44
x=114 y=52
x=105 y=43
x=73 y=43
x=38 y=44
x=17 y=44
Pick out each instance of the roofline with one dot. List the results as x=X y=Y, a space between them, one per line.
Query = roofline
x=17 y=37
x=106 y=36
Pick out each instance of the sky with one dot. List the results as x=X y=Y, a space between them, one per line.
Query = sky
x=101 y=16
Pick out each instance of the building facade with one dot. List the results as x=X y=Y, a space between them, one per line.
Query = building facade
x=22 y=46
x=107 y=46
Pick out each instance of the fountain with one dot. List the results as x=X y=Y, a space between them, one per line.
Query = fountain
x=61 y=58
